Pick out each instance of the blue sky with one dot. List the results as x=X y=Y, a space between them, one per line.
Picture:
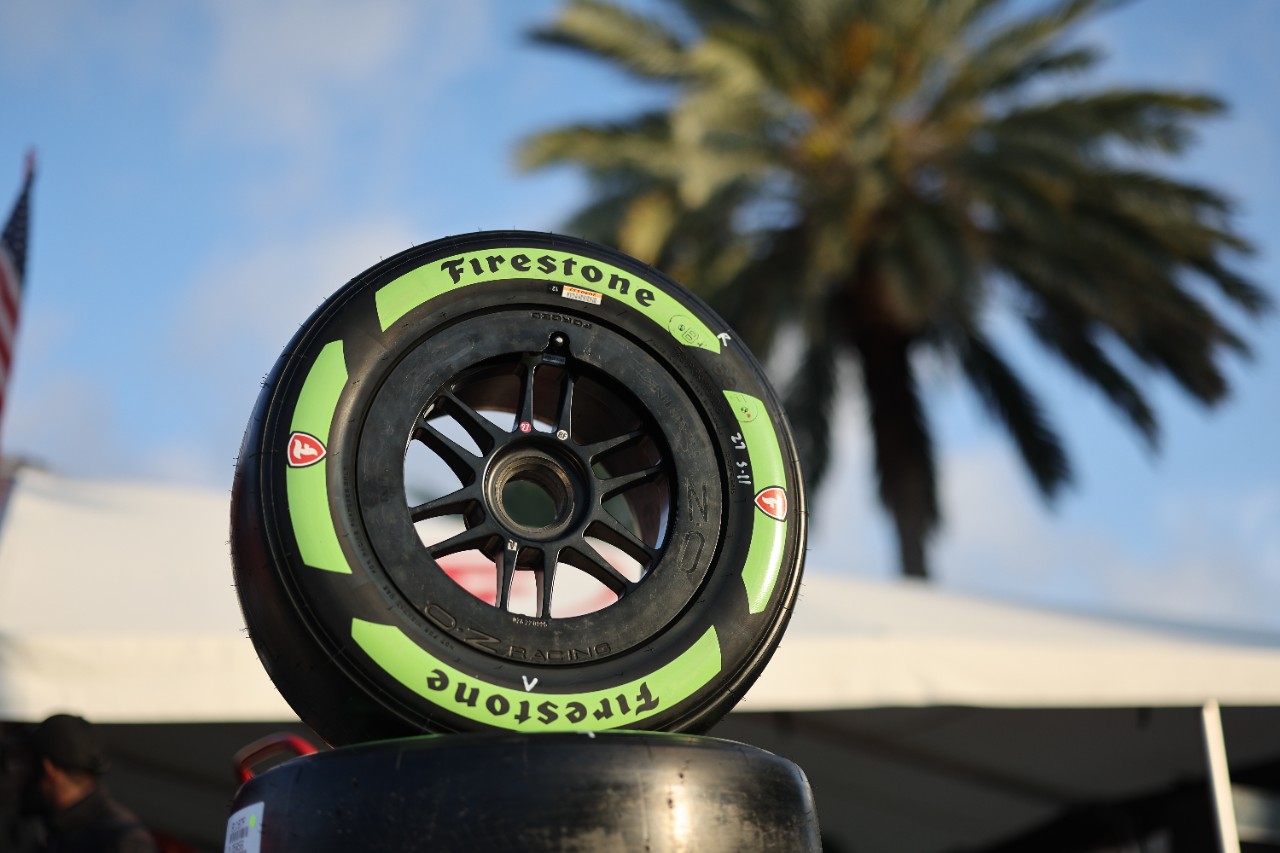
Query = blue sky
x=211 y=171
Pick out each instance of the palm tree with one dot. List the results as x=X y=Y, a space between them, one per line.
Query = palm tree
x=884 y=177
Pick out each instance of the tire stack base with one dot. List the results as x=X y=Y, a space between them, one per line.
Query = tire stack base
x=613 y=791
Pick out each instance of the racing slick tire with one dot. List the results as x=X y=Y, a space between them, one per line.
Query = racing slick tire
x=515 y=481
x=614 y=792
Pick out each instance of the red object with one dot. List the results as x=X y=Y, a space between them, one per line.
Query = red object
x=265 y=747
x=305 y=450
x=773 y=502
x=166 y=843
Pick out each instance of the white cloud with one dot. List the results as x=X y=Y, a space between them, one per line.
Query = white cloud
x=993 y=522
x=68 y=423
x=279 y=69
x=258 y=300
x=327 y=93
x=68 y=38
x=31 y=31
x=176 y=462
x=1214 y=558
x=56 y=414
x=242 y=311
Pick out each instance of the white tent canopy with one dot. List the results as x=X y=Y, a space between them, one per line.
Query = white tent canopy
x=864 y=644
x=116 y=602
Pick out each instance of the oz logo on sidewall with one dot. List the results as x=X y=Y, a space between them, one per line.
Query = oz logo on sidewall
x=304 y=450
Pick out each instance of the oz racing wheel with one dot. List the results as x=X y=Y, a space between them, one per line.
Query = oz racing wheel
x=515 y=481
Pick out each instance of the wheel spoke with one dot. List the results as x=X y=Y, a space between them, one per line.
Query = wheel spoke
x=524 y=408
x=614 y=485
x=601 y=448
x=484 y=432
x=475 y=538
x=545 y=580
x=507 y=573
x=604 y=526
x=454 y=503
x=583 y=555
x=564 y=418
x=463 y=463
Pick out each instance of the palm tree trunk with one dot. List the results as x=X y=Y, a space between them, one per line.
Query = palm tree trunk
x=911 y=553
x=900 y=434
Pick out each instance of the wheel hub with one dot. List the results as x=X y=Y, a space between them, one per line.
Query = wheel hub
x=535 y=494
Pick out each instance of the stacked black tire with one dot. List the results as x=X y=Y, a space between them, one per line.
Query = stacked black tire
x=451 y=450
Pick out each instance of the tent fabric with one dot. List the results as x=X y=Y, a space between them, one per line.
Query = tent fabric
x=117 y=600
x=857 y=643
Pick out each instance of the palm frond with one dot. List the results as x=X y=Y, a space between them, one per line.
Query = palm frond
x=639 y=44
x=1234 y=286
x=870 y=171
x=641 y=143
x=1141 y=119
x=809 y=401
x=765 y=291
x=1072 y=339
x=1010 y=54
x=1011 y=402
x=601 y=219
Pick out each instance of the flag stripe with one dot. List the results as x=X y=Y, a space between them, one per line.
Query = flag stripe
x=9 y=298
x=13 y=262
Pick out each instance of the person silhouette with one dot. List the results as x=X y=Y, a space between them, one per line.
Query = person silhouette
x=68 y=761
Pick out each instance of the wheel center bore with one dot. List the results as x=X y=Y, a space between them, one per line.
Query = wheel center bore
x=533 y=493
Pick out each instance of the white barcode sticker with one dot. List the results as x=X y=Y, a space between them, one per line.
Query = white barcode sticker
x=582 y=295
x=244 y=830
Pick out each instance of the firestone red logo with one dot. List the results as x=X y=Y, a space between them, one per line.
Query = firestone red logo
x=773 y=502
x=304 y=450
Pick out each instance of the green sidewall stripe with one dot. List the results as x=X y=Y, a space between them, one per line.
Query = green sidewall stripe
x=768 y=536
x=531 y=710
x=400 y=296
x=307 y=488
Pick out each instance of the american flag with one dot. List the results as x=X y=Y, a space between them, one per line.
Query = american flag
x=13 y=262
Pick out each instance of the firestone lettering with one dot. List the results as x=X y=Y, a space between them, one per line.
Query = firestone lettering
x=546 y=712
x=566 y=268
